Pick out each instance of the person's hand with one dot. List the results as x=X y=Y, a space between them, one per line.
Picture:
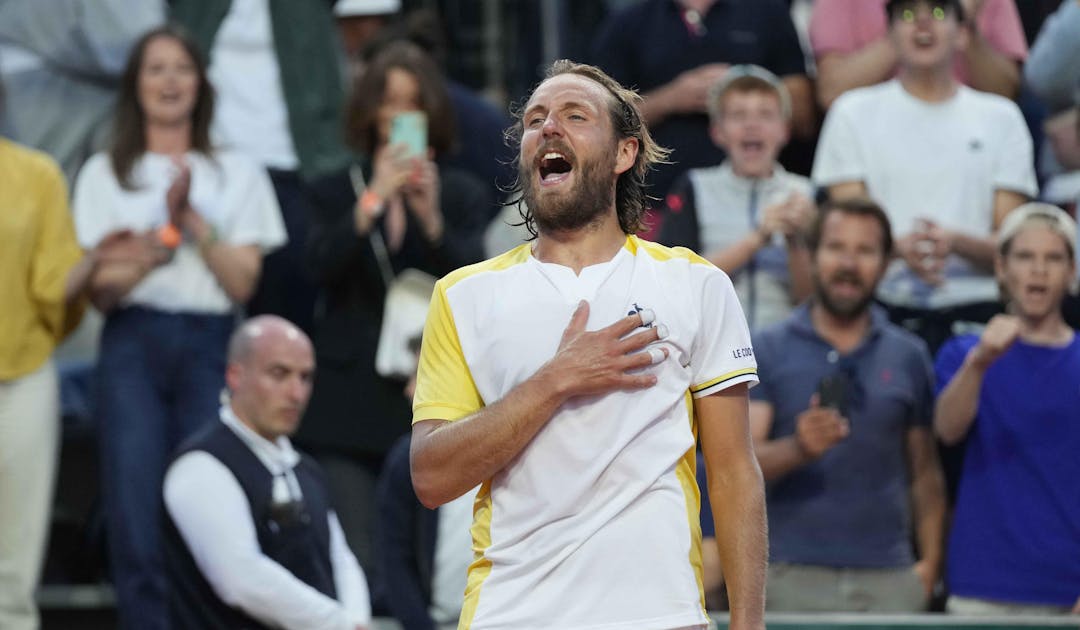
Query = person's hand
x=791 y=217
x=927 y=576
x=392 y=170
x=940 y=240
x=801 y=212
x=689 y=91
x=819 y=428
x=925 y=250
x=125 y=246
x=422 y=198
x=771 y=220
x=608 y=359
x=176 y=198
x=1076 y=607
x=1000 y=333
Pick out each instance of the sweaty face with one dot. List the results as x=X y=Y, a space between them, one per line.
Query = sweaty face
x=168 y=82
x=752 y=130
x=1037 y=271
x=570 y=158
x=848 y=263
x=926 y=35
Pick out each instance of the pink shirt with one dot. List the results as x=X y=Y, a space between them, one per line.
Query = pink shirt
x=845 y=26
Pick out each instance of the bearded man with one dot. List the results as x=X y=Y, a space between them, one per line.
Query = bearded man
x=842 y=430
x=570 y=377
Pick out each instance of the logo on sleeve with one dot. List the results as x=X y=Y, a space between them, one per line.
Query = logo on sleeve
x=740 y=353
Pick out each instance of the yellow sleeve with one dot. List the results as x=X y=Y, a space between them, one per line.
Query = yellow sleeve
x=55 y=253
x=444 y=385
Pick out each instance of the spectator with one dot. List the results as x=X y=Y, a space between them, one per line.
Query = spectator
x=277 y=68
x=387 y=213
x=850 y=39
x=424 y=555
x=748 y=215
x=251 y=539
x=45 y=275
x=945 y=161
x=673 y=51
x=842 y=432
x=485 y=154
x=168 y=315
x=1011 y=392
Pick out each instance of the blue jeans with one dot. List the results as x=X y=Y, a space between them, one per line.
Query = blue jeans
x=159 y=378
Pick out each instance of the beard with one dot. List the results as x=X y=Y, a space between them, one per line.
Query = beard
x=583 y=205
x=843 y=308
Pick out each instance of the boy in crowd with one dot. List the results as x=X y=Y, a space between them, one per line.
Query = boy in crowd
x=1011 y=393
x=748 y=215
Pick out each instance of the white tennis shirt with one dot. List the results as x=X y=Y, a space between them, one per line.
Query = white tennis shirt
x=595 y=524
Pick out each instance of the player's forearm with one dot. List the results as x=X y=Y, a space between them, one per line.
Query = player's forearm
x=779 y=457
x=958 y=403
x=450 y=458
x=738 y=499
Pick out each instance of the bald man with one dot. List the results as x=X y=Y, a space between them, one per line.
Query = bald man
x=251 y=540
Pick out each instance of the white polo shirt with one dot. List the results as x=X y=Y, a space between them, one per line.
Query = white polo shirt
x=595 y=524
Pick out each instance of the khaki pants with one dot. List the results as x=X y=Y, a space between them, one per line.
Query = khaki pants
x=803 y=588
x=29 y=432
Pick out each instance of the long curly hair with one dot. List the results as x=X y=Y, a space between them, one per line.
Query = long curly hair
x=631 y=199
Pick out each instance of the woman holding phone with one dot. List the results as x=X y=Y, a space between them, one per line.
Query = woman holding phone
x=204 y=219
x=396 y=208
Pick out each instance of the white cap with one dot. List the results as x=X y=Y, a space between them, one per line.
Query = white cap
x=361 y=8
x=1052 y=217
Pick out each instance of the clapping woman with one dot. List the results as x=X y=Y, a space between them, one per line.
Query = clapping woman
x=204 y=219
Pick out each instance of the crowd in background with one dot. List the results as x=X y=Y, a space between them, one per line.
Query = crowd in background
x=230 y=158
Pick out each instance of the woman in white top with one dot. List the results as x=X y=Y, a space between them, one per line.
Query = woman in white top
x=206 y=218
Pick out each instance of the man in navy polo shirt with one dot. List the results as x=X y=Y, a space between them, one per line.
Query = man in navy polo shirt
x=841 y=426
x=673 y=51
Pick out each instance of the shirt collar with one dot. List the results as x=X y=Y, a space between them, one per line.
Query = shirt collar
x=278 y=456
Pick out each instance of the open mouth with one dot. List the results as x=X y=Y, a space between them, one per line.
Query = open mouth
x=554 y=167
x=752 y=146
x=924 y=39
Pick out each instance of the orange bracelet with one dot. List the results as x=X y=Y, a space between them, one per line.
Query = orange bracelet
x=370 y=203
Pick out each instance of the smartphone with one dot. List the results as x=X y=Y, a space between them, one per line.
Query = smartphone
x=410 y=129
x=833 y=392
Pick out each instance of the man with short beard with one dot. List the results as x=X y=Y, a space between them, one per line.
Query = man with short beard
x=569 y=378
x=841 y=428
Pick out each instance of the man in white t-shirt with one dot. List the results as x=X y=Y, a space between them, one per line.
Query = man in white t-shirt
x=945 y=161
x=581 y=434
